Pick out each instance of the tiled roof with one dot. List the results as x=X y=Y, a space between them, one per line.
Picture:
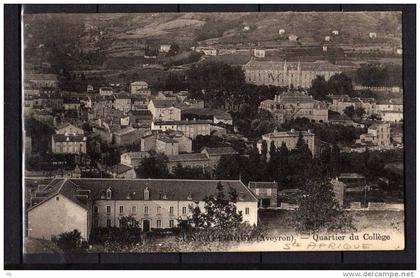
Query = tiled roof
x=262 y=184
x=287 y=133
x=120 y=168
x=136 y=155
x=219 y=151
x=187 y=157
x=351 y=176
x=69 y=138
x=165 y=103
x=196 y=122
x=305 y=66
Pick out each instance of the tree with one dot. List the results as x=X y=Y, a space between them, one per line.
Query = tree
x=215 y=75
x=153 y=166
x=180 y=172
x=264 y=150
x=319 y=88
x=173 y=50
x=359 y=112
x=70 y=242
x=318 y=209
x=219 y=211
x=335 y=160
x=229 y=167
x=340 y=84
x=371 y=75
x=349 y=111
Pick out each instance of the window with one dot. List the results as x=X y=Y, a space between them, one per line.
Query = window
x=171 y=210
x=146 y=210
x=121 y=209
x=158 y=223
x=158 y=210
x=108 y=222
x=134 y=210
x=108 y=193
x=171 y=223
x=184 y=210
x=146 y=193
x=57 y=198
x=108 y=209
x=246 y=211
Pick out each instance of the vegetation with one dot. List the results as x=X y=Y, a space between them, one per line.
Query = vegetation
x=379 y=75
x=338 y=84
x=70 y=242
x=318 y=210
x=127 y=233
x=153 y=166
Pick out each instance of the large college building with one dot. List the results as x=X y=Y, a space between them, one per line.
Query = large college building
x=287 y=74
x=63 y=205
x=291 y=105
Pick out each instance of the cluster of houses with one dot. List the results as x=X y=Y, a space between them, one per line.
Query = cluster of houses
x=390 y=111
x=135 y=122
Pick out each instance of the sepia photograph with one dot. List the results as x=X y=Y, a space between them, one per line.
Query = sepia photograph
x=212 y=132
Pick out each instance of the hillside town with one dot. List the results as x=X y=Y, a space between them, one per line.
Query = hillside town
x=181 y=120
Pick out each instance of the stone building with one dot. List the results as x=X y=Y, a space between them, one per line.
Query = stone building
x=68 y=143
x=165 y=109
x=291 y=105
x=140 y=88
x=290 y=138
x=63 y=205
x=133 y=159
x=190 y=129
x=287 y=74
x=378 y=134
x=266 y=192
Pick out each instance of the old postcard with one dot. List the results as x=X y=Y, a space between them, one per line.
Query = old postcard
x=203 y=132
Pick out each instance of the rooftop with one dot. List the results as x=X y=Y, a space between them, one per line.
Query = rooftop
x=166 y=103
x=69 y=138
x=292 y=132
x=119 y=168
x=262 y=184
x=187 y=157
x=219 y=151
x=305 y=66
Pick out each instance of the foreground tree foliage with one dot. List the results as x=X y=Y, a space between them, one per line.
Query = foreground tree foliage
x=319 y=210
x=219 y=211
x=219 y=220
x=71 y=242
x=153 y=166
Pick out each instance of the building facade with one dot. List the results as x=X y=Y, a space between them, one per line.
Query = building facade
x=287 y=74
x=190 y=129
x=290 y=138
x=266 y=192
x=68 y=143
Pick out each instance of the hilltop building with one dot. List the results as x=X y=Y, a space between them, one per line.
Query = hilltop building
x=287 y=74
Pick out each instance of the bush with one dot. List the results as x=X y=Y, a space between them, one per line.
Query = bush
x=71 y=242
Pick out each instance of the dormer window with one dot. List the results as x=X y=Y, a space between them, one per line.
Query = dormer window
x=189 y=196
x=146 y=193
x=108 y=193
x=164 y=196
